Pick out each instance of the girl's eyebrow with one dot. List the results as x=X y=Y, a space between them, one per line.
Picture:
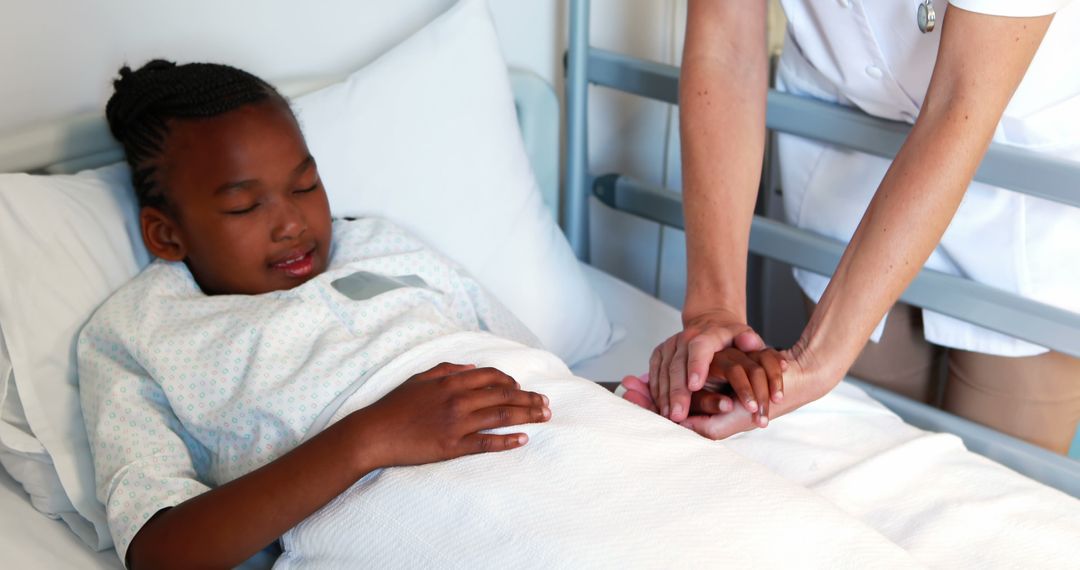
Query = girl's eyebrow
x=304 y=164
x=230 y=186
x=241 y=184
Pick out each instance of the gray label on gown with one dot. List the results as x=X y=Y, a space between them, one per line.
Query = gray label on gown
x=364 y=285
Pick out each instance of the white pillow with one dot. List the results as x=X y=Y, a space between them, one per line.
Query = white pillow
x=21 y=453
x=66 y=243
x=427 y=136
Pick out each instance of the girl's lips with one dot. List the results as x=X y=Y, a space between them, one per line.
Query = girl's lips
x=300 y=266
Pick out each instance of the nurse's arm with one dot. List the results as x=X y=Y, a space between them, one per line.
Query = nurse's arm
x=980 y=63
x=722 y=93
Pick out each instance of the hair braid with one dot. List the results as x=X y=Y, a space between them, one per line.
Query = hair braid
x=145 y=100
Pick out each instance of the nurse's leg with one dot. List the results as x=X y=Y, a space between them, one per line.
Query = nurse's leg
x=1035 y=398
x=903 y=362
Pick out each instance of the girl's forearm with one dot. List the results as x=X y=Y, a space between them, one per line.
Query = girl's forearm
x=229 y=524
x=722 y=96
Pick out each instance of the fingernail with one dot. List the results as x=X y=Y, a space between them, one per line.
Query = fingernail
x=522 y=439
x=546 y=401
x=694 y=379
x=751 y=405
x=676 y=410
x=778 y=396
x=763 y=420
x=547 y=413
x=664 y=411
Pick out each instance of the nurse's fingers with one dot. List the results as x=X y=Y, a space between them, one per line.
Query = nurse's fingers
x=748 y=341
x=636 y=384
x=639 y=399
x=654 y=372
x=678 y=394
x=700 y=353
x=720 y=426
x=637 y=392
x=667 y=352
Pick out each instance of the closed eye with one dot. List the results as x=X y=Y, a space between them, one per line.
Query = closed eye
x=306 y=190
x=243 y=211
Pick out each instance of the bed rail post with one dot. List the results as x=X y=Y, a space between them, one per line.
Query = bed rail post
x=575 y=202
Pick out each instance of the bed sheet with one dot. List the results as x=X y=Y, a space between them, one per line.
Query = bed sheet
x=645 y=322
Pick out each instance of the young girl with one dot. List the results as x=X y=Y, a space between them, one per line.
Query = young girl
x=202 y=378
x=231 y=204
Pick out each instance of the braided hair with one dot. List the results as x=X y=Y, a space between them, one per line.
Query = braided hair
x=145 y=100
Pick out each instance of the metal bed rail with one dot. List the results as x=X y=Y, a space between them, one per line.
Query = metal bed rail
x=1018 y=169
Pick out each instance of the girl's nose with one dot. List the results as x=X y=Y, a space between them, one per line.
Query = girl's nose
x=289 y=222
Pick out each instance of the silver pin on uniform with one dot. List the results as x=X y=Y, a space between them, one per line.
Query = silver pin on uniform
x=926 y=16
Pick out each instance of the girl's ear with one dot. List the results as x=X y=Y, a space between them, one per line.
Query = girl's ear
x=161 y=235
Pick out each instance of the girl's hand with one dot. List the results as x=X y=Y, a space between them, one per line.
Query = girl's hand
x=755 y=377
x=680 y=365
x=439 y=414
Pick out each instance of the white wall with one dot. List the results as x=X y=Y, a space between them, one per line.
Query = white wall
x=58 y=56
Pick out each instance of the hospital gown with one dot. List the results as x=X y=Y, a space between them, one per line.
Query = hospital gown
x=183 y=391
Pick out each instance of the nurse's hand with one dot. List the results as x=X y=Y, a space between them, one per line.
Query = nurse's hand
x=680 y=365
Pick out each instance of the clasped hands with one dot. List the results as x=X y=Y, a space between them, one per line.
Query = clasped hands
x=715 y=377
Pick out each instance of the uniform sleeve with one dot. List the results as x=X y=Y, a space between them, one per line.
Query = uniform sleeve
x=1014 y=8
x=144 y=461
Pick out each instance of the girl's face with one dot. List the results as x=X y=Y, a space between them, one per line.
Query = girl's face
x=248 y=213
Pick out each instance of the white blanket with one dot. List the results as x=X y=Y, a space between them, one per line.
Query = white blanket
x=603 y=484
x=948 y=507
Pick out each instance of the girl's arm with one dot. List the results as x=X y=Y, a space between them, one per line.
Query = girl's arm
x=227 y=525
x=434 y=416
x=979 y=65
x=722 y=95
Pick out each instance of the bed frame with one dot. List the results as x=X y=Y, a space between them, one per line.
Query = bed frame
x=1017 y=169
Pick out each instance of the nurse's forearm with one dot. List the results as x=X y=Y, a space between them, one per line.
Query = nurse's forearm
x=722 y=126
x=980 y=63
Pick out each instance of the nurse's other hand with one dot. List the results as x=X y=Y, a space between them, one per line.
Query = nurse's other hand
x=680 y=365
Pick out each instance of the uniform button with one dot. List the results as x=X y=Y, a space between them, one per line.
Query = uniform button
x=874 y=71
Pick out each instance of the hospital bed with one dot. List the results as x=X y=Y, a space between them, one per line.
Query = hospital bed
x=30 y=540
